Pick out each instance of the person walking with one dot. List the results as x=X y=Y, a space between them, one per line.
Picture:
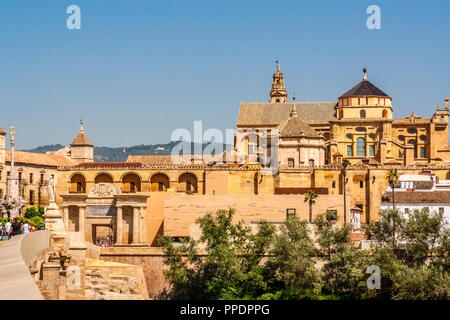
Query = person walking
x=26 y=227
x=7 y=227
x=16 y=227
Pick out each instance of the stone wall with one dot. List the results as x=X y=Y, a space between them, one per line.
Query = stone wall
x=182 y=211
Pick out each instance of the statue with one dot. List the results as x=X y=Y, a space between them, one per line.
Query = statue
x=51 y=189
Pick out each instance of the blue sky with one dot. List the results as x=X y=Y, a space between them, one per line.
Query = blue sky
x=137 y=70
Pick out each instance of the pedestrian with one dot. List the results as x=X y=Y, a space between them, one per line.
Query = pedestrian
x=7 y=227
x=16 y=227
x=26 y=227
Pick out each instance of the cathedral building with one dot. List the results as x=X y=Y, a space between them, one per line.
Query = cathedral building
x=358 y=127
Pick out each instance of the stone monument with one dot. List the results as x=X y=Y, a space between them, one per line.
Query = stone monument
x=11 y=206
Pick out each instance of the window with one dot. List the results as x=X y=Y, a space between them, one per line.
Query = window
x=333 y=184
x=311 y=162
x=360 y=147
x=442 y=119
x=349 y=136
x=422 y=152
x=349 y=151
x=401 y=138
x=413 y=142
x=384 y=114
x=160 y=186
x=31 y=197
x=367 y=101
x=278 y=100
x=360 y=129
x=79 y=187
x=188 y=186
x=441 y=210
x=361 y=184
x=31 y=178
x=359 y=101
x=412 y=131
x=290 y=213
x=291 y=162
x=362 y=114
x=20 y=176
x=132 y=186
x=42 y=178
x=372 y=136
x=371 y=150
x=400 y=154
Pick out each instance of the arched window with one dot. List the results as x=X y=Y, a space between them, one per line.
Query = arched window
x=103 y=177
x=187 y=182
x=414 y=143
x=360 y=147
x=131 y=183
x=362 y=114
x=77 y=184
x=159 y=182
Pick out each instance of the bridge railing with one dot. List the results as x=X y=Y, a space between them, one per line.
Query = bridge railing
x=16 y=257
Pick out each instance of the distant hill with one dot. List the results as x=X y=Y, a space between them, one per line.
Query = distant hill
x=118 y=154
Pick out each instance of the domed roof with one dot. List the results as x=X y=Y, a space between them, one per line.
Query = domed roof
x=364 y=88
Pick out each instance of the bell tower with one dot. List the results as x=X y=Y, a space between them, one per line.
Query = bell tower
x=278 y=92
x=81 y=148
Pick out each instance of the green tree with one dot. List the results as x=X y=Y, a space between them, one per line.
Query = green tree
x=311 y=197
x=423 y=232
x=232 y=267
x=388 y=229
x=344 y=267
x=392 y=178
x=292 y=263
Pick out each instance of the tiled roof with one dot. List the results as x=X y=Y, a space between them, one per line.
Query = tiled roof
x=81 y=139
x=296 y=127
x=417 y=197
x=364 y=88
x=164 y=159
x=423 y=184
x=274 y=113
x=38 y=159
x=108 y=165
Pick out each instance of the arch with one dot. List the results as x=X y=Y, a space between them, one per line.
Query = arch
x=414 y=143
x=103 y=177
x=159 y=182
x=187 y=182
x=362 y=114
x=385 y=114
x=131 y=182
x=360 y=147
x=77 y=183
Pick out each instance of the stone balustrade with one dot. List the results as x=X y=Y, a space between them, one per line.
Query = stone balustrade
x=17 y=256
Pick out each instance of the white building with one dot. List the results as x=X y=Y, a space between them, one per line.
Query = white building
x=418 y=191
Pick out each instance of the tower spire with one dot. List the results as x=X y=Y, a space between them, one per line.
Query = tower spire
x=278 y=92
x=365 y=74
x=294 y=109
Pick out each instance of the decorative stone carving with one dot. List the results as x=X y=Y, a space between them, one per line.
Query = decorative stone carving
x=104 y=189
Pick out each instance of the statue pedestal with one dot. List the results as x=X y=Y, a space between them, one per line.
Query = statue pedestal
x=55 y=224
